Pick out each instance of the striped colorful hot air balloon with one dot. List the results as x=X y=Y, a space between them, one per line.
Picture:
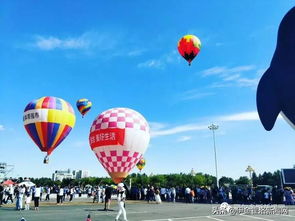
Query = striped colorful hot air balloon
x=48 y=121
x=119 y=137
x=188 y=47
x=141 y=164
x=83 y=105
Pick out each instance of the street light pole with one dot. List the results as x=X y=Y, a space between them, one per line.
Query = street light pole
x=251 y=171
x=214 y=127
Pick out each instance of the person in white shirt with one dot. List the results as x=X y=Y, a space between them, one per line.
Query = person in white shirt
x=60 y=196
x=121 y=197
x=173 y=194
x=10 y=193
x=48 y=190
x=19 y=196
x=28 y=199
x=145 y=192
x=187 y=194
x=37 y=197
x=72 y=193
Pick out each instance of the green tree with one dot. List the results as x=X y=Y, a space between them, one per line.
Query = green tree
x=255 y=179
x=242 y=180
x=226 y=180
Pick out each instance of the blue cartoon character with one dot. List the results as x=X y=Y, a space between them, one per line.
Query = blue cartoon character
x=276 y=89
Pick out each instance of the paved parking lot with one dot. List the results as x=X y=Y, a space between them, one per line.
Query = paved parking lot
x=136 y=211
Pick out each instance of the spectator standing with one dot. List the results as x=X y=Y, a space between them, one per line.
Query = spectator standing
x=37 y=195
x=1 y=194
x=28 y=198
x=187 y=194
x=48 y=191
x=72 y=192
x=163 y=193
x=10 y=193
x=121 y=197
x=173 y=194
x=108 y=196
x=157 y=196
x=60 y=196
x=145 y=190
x=20 y=194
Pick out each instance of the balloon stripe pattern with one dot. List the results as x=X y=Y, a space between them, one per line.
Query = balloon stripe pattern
x=48 y=121
x=83 y=105
x=189 y=46
x=119 y=138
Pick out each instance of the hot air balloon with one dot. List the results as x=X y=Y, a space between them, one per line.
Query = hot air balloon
x=48 y=121
x=119 y=137
x=141 y=164
x=83 y=105
x=188 y=47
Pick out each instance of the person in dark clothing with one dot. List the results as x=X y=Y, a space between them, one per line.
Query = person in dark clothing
x=1 y=194
x=108 y=195
x=151 y=194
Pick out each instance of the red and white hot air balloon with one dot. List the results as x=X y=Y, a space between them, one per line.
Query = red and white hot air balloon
x=119 y=137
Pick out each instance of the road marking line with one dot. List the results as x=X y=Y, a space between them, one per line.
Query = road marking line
x=210 y=217
x=255 y=217
x=285 y=215
x=183 y=218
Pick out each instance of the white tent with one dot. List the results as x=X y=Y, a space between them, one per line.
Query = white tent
x=27 y=184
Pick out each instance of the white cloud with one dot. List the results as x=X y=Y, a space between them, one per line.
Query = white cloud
x=225 y=71
x=2 y=127
x=51 y=43
x=178 y=129
x=136 y=52
x=248 y=82
x=156 y=125
x=213 y=71
x=161 y=62
x=233 y=76
x=151 y=64
x=184 y=138
x=252 y=115
x=165 y=130
x=87 y=41
x=245 y=116
x=195 y=94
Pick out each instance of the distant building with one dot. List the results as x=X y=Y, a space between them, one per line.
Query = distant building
x=68 y=174
x=78 y=174
x=62 y=174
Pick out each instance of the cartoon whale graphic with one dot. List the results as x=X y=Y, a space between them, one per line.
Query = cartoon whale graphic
x=276 y=88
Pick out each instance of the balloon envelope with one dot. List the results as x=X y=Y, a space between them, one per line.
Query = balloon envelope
x=188 y=47
x=83 y=105
x=48 y=121
x=119 y=137
x=141 y=164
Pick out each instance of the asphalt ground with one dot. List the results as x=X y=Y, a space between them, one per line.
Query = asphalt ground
x=142 y=211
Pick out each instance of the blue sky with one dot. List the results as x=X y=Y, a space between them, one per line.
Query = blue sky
x=123 y=54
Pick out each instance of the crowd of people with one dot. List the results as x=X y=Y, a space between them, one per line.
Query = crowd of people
x=232 y=195
x=22 y=195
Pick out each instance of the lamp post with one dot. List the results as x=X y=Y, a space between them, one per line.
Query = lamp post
x=214 y=127
x=250 y=170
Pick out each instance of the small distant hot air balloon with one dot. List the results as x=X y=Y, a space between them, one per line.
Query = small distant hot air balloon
x=141 y=164
x=119 y=137
x=188 y=47
x=83 y=105
x=48 y=121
